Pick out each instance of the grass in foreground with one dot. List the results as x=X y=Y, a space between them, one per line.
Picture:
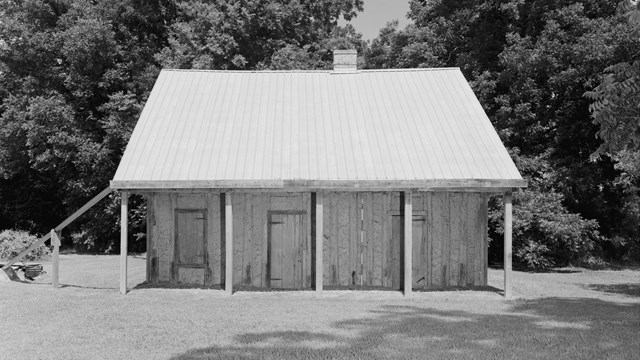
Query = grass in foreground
x=584 y=314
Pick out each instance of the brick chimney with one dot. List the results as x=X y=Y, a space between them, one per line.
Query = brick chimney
x=345 y=61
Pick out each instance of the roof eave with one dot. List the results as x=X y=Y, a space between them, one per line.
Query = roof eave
x=493 y=185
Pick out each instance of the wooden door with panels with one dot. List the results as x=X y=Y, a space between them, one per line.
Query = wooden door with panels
x=287 y=250
x=190 y=257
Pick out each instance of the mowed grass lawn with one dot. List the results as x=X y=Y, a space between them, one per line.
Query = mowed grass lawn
x=573 y=314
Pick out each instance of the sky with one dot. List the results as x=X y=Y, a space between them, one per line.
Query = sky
x=377 y=13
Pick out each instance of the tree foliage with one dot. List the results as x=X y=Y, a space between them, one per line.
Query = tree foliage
x=616 y=103
x=256 y=34
x=74 y=75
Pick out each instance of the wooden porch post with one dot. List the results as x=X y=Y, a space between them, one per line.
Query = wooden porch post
x=319 y=241
x=507 y=243
x=55 y=241
x=408 y=243
x=228 y=244
x=123 y=241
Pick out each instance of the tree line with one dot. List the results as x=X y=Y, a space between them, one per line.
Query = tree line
x=558 y=79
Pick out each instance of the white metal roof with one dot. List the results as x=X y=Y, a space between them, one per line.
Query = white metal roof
x=418 y=128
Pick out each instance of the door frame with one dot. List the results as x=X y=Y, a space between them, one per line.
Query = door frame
x=270 y=213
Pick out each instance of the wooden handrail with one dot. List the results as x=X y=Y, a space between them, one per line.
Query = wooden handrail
x=59 y=228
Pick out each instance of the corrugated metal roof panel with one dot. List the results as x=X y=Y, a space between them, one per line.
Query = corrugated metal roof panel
x=396 y=128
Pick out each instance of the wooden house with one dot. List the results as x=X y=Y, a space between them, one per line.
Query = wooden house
x=309 y=179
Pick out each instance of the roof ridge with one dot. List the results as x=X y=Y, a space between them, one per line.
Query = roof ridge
x=312 y=71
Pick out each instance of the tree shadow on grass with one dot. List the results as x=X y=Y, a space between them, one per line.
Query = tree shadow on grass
x=632 y=290
x=557 y=328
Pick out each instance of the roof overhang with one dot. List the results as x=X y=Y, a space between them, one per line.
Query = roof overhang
x=483 y=185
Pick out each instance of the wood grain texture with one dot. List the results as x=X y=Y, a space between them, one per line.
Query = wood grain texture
x=408 y=244
x=448 y=249
x=419 y=253
x=387 y=256
x=457 y=225
x=319 y=242
x=214 y=235
x=369 y=242
x=472 y=242
x=162 y=232
x=258 y=223
x=172 y=236
x=287 y=251
x=354 y=226
x=377 y=236
x=343 y=240
x=191 y=276
x=152 y=248
x=239 y=203
x=436 y=234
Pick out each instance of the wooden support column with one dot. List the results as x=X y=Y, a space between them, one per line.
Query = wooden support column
x=228 y=244
x=507 y=243
x=55 y=241
x=123 y=241
x=319 y=241
x=408 y=243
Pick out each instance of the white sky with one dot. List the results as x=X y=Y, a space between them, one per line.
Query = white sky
x=377 y=13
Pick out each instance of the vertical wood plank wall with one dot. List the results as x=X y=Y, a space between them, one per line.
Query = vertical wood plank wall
x=161 y=229
x=250 y=234
x=453 y=241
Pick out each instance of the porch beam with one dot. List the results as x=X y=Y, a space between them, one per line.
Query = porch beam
x=228 y=244
x=408 y=243
x=319 y=241
x=508 y=220
x=123 y=241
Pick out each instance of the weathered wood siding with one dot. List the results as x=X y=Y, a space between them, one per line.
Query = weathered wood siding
x=250 y=235
x=449 y=239
x=363 y=237
x=161 y=210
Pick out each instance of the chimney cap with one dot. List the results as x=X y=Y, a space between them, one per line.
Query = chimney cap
x=345 y=61
x=346 y=51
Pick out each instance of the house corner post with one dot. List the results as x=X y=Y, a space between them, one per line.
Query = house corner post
x=228 y=244
x=55 y=271
x=319 y=241
x=508 y=229
x=123 y=241
x=408 y=243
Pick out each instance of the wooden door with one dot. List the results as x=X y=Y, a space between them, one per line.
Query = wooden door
x=287 y=251
x=418 y=257
x=190 y=259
